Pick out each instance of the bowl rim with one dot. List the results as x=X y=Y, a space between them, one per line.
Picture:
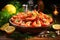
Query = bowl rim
x=28 y=27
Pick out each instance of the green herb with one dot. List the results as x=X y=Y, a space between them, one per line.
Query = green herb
x=4 y=17
x=18 y=5
x=52 y=34
x=18 y=35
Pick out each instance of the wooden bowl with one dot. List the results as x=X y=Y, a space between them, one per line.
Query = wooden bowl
x=29 y=30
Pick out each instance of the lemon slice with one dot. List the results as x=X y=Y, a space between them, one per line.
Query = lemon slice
x=56 y=26
x=4 y=26
x=9 y=29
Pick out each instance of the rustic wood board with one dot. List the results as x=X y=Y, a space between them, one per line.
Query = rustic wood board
x=32 y=38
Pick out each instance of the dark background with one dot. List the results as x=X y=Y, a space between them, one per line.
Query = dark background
x=47 y=3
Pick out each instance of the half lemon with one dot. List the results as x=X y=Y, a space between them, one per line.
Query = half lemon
x=56 y=26
x=9 y=29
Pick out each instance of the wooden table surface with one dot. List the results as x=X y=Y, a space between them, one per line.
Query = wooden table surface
x=32 y=38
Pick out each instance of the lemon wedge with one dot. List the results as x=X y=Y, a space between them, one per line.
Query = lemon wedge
x=9 y=29
x=4 y=26
x=56 y=26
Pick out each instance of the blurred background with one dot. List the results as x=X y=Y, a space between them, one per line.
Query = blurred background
x=47 y=3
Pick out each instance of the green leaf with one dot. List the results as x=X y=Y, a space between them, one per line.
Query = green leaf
x=17 y=4
x=4 y=17
x=18 y=35
x=52 y=34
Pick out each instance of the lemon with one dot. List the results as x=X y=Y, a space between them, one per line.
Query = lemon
x=10 y=8
x=4 y=26
x=56 y=26
x=9 y=29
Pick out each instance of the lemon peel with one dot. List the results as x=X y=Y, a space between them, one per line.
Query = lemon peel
x=10 y=8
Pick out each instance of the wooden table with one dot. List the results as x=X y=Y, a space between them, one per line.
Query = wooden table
x=32 y=38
